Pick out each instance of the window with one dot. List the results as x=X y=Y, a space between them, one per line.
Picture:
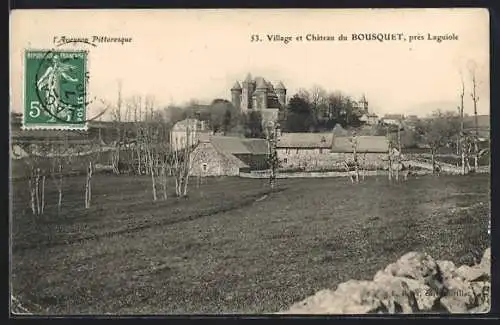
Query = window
x=285 y=160
x=297 y=151
x=320 y=150
x=204 y=167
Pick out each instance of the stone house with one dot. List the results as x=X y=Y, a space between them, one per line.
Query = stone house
x=393 y=119
x=227 y=156
x=325 y=151
x=304 y=151
x=372 y=151
x=188 y=130
x=369 y=118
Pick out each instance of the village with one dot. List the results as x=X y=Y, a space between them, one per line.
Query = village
x=313 y=131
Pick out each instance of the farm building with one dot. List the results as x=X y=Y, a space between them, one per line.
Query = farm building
x=304 y=150
x=189 y=128
x=325 y=151
x=372 y=150
x=227 y=156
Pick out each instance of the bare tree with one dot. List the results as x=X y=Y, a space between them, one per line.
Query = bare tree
x=61 y=158
x=462 y=134
x=117 y=119
x=181 y=162
x=272 y=157
x=36 y=179
x=354 y=143
x=475 y=100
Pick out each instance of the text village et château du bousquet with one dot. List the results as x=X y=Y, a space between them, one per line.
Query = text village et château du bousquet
x=377 y=37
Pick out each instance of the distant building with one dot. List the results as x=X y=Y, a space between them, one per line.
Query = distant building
x=324 y=151
x=393 y=119
x=261 y=95
x=187 y=133
x=483 y=126
x=227 y=156
x=369 y=118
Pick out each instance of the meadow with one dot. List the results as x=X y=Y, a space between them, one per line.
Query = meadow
x=232 y=246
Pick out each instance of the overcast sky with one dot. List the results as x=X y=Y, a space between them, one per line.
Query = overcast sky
x=178 y=55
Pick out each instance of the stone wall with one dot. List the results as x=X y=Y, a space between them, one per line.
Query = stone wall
x=416 y=283
x=206 y=161
x=323 y=159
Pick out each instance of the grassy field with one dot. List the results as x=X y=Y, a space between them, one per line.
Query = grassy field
x=230 y=247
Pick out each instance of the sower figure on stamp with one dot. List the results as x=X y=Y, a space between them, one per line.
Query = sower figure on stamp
x=50 y=81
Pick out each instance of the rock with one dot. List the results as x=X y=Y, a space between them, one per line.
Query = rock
x=473 y=273
x=482 y=292
x=447 y=269
x=459 y=297
x=454 y=305
x=420 y=267
x=420 y=291
x=486 y=260
x=359 y=297
x=351 y=300
x=319 y=303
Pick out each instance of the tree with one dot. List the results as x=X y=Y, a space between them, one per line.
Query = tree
x=299 y=117
x=226 y=123
x=253 y=125
x=220 y=120
x=475 y=99
x=181 y=164
x=61 y=158
x=438 y=130
x=462 y=143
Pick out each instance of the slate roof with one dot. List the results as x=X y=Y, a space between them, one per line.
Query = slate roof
x=256 y=146
x=229 y=145
x=373 y=144
x=305 y=140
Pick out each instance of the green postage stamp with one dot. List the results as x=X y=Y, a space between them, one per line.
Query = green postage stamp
x=55 y=88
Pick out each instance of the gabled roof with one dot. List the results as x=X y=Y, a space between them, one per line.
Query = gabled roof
x=229 y=145
x=256 y=146
x=375 y=144
x=305 y=140
x=261 y=83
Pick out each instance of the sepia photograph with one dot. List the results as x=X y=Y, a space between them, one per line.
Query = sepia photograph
x=249 y=161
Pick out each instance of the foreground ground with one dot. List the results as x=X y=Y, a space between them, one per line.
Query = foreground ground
x=229 y=247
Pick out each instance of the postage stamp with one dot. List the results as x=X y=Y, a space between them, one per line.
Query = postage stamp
x=55 y=89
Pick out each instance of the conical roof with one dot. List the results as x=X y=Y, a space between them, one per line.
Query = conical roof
x=261 y=83
x=280 y=86
x=270 y=85
x=236 y=86
x=248 y=78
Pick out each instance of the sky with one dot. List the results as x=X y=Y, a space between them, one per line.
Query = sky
x=179 y=55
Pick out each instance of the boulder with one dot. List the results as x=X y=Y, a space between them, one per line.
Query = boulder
x=482 y=291
x=421 y=292
x=486 y=260
x=447 y=268
x=473 y=273
x=420 y=267
x=352 y=297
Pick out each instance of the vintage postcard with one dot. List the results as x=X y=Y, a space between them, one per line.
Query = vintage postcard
x=298 y=161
